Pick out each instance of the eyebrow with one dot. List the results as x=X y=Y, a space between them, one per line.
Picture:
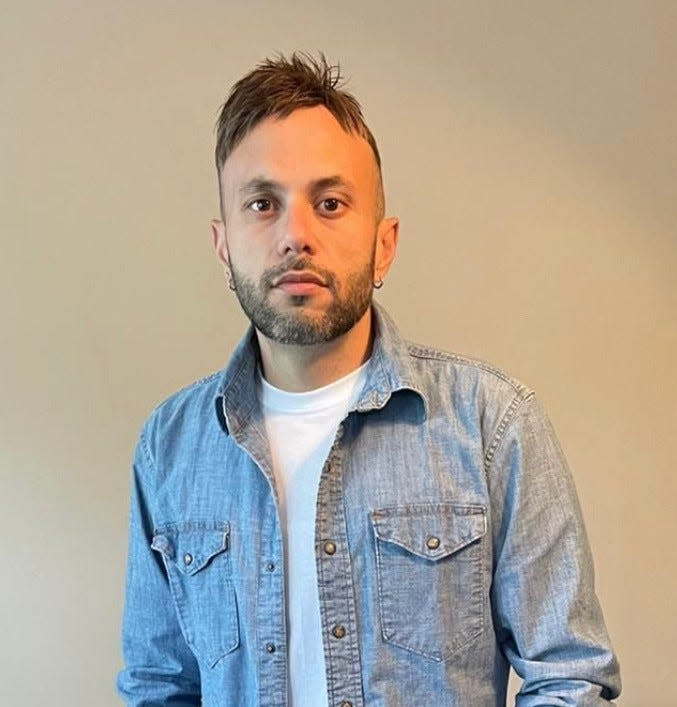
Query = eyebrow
x=331 y=182
x=259 y=185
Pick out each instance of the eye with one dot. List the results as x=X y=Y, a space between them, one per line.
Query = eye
x=330 y=205
x=260 y=205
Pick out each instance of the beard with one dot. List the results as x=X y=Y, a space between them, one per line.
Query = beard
x=300 y=326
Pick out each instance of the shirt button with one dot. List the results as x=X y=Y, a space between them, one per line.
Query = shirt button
x=338 y=631
x=432 y=543
x=345 y=703
x=270 y=567
x=329 y=547
x=187 y=558
x=270 y=647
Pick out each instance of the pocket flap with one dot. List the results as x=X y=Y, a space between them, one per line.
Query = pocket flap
x=431 y=531
x=191 y=546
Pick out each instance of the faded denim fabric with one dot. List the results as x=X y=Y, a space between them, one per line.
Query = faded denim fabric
x=449 y=545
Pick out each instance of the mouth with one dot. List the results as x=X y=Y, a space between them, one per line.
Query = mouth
x=299 y=282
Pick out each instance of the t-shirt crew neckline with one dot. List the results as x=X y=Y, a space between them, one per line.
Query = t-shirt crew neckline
x=284 y=401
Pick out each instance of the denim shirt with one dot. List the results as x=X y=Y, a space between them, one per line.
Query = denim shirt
x=448 y=540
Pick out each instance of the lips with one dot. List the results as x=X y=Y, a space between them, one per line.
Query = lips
x=299 y=277
x=299 y=283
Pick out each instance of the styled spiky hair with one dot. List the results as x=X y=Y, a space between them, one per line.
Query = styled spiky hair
x=279 y=86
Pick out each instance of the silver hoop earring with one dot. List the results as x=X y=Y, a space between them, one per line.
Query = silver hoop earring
x=378 y=284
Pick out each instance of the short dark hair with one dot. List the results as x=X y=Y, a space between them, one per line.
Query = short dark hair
x=275 y=88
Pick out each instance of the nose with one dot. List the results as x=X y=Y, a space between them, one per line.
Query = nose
x=297 y=231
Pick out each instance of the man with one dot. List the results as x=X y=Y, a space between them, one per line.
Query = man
x=339 y=517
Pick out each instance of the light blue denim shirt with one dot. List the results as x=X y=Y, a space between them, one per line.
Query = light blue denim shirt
x=449 y=544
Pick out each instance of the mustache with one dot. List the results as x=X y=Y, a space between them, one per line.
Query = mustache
x=296 y=264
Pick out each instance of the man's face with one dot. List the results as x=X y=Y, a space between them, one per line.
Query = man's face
x=302 y=236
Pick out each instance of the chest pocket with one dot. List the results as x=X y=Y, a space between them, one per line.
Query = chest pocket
x=197 y=561
x=431 y=582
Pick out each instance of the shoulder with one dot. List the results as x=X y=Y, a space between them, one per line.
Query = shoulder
x=467 y=393
x=465 y=372
x=191 y=405
x=454 y=388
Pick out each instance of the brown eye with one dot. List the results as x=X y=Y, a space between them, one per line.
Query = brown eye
x=331 y=204
x=260 y=205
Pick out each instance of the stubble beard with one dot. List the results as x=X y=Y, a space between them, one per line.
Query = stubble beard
x=295 y=324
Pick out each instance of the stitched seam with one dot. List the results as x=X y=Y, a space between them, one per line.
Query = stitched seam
x=503 y=425
x=196 y=384
x=146 y=453
x=417 y=351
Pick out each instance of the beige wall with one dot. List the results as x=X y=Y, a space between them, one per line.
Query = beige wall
x=531 y=154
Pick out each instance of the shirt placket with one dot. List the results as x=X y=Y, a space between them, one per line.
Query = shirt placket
x=271 y=616
x=335 y=587
x=271 y=619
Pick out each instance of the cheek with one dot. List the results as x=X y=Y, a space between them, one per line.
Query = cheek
x=250 y=242
x=359 y=253
x=249 y=262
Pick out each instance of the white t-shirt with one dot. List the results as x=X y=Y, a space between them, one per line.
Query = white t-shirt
x=301 y=429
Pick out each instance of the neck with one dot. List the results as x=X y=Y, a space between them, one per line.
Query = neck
x=299 y=369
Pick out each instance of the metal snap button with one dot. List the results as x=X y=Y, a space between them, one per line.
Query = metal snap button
x=329 y=547
x=187 y=558
x=270 y=647
x=338 y=631
x=270 y=567
x=432 y=543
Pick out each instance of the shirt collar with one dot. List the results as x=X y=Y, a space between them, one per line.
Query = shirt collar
x=390 y=366
x=389 y=370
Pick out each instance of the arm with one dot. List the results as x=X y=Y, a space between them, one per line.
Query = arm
x=159 y=667
x=546 y=613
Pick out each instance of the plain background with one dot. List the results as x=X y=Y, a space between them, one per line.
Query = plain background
x=529 y=149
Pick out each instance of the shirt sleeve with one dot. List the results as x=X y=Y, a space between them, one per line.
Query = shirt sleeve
x=159 y=667
x=546 y=613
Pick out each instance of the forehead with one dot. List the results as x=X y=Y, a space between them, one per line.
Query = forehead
x=307 y=144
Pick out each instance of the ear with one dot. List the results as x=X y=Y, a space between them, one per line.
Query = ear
x=386 y=246
x=219 y=242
